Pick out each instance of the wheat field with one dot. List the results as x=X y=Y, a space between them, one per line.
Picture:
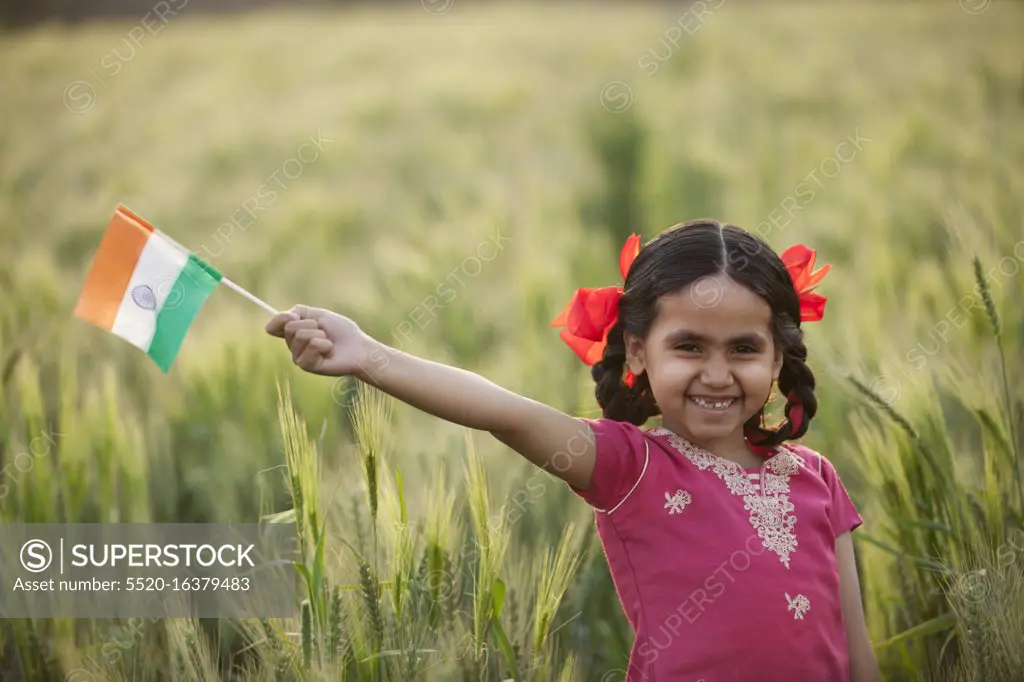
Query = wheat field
x=446 y=174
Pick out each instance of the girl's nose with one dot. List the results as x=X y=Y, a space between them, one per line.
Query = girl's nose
x=716 y=373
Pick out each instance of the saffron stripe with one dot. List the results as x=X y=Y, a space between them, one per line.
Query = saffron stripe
x=112 y=268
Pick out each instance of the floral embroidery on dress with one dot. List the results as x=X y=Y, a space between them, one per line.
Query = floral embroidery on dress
x=676 y=502
x=769 y=516
x=799 y=605
x=773 y=485
x=770 y=508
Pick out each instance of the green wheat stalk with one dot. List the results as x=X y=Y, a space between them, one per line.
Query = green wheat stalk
x=993 y=318
x=369 y=590
x=334 y=636
x=884 y=405
x=568 y=673
x=303 y=473
x=492 y=542
x=557 y=571
x=441 y=527
x=371 y=425
x=307 y=635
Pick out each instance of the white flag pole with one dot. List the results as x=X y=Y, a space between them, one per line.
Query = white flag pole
x=254 y=299
x=224 y=280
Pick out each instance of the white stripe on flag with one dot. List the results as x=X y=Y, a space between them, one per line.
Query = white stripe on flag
x=158 y=268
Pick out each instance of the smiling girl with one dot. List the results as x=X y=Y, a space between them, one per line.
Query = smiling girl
x=728 y=543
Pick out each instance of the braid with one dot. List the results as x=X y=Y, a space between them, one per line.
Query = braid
x=620 y=402
x=796 y=382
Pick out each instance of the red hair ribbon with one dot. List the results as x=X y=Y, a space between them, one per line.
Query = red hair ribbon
x=593 y=312
x=756 y=441
x=799 y=261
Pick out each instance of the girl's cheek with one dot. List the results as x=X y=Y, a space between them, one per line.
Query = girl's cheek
x=757 y=379
x=678 y=372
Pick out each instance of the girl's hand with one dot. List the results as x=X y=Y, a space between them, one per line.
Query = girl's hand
x=322 y=342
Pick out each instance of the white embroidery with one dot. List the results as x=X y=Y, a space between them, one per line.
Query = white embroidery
x=773 y=484
x=676 y=502
x=799 y=605
x=769 y=507
x=769 y=517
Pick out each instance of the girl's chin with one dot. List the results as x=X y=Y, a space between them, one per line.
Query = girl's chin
x=713 y=419
x=703 y=430
x=705 y=434
x=708 y=423
x=702 y=424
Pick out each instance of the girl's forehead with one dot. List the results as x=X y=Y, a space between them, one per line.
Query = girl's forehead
x=715 y=306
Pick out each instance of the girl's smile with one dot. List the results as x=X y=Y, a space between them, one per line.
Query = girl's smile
x=713 y=404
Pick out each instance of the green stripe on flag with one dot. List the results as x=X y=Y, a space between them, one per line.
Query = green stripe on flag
x=195 y=283
x=214 y=272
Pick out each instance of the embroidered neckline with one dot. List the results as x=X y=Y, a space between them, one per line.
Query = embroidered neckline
x=769 y=505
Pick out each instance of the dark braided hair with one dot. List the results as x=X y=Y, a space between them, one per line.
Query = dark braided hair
x=677 y=258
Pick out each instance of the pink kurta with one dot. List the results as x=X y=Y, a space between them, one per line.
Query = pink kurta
x=726 y=574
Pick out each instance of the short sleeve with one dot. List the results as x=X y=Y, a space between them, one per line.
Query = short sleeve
x=843 y=512
x=620 y=461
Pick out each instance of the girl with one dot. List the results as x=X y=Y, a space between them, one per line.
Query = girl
x=729 y=545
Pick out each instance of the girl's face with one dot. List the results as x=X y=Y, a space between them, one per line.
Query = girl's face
x=710 y=360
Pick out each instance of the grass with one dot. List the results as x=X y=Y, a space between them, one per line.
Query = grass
x=495 y=181
x=941 y=527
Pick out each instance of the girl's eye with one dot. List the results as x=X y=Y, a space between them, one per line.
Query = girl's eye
x=694 y=348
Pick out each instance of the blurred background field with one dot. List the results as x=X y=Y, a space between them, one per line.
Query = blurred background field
x=495 y=156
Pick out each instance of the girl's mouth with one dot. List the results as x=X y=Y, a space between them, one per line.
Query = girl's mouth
x=716 y=405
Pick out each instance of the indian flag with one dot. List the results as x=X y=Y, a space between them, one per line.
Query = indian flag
x=144 y=288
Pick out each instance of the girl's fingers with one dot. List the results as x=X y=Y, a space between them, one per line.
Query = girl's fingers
x=302 y=338
x=321 y=345
x=276 y=325
x=313 y=356
x=294 y=326
x=305 y=312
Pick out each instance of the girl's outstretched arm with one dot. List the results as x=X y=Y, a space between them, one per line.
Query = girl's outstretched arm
x=323 y=342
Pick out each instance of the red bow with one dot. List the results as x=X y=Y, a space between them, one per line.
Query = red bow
x=593 y=312
x=799 y=261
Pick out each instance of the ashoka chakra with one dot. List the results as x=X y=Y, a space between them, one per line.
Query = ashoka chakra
x=144 y=297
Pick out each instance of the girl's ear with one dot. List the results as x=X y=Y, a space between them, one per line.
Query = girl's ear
x=777 y=364
x=635 y=357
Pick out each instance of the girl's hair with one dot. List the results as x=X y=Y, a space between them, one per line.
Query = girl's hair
x=676 y=258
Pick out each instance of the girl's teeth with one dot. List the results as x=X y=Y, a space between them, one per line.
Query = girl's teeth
x=717 y=405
